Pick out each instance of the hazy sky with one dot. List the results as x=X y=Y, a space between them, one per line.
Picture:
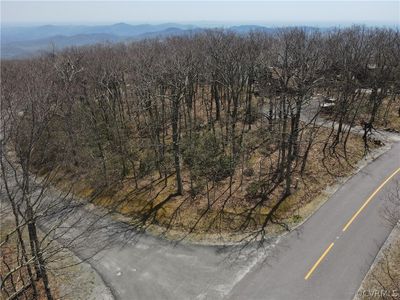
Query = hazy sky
x=224 y=12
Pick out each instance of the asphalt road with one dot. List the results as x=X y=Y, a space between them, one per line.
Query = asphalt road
x=149 y=268
x=340 y=271
x=139 y=266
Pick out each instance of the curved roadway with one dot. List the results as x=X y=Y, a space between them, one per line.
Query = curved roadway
x=318 y=260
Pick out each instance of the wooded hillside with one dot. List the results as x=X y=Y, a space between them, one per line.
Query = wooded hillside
x=217 y=124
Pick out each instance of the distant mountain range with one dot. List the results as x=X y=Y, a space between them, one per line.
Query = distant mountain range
x=19 y=42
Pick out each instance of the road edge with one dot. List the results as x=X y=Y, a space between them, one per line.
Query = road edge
x=395 y=233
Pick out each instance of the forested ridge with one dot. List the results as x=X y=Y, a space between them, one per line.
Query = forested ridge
x=215 y=123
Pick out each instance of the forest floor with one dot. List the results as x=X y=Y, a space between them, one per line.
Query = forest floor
x=388 y=117
x=218 y=213
x=383 y=279
x=70 y=278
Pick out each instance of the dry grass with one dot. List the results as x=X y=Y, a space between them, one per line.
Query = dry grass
x=389 y=118
x=219 y=210
x=69 y=279
x=226 y=212
x=9 y=258
x=383 y=280
x=388 y=115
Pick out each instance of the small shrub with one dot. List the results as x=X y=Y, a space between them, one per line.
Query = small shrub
x=223 y=169
x=296 y=218
x=146 y=165
x=196 y=189
x=248 y=172
x=253 y=190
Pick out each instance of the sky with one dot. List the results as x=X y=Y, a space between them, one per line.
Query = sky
x=322 y=12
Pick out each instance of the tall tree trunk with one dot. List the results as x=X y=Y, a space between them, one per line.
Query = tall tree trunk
x=175 y=141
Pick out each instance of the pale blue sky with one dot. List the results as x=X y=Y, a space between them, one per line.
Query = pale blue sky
x=321 y=12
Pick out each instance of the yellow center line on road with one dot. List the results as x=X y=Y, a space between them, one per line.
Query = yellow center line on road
x=350 y=221
x=318 y=261
x=369 y=199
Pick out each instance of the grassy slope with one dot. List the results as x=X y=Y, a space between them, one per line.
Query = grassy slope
x=225 y=214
